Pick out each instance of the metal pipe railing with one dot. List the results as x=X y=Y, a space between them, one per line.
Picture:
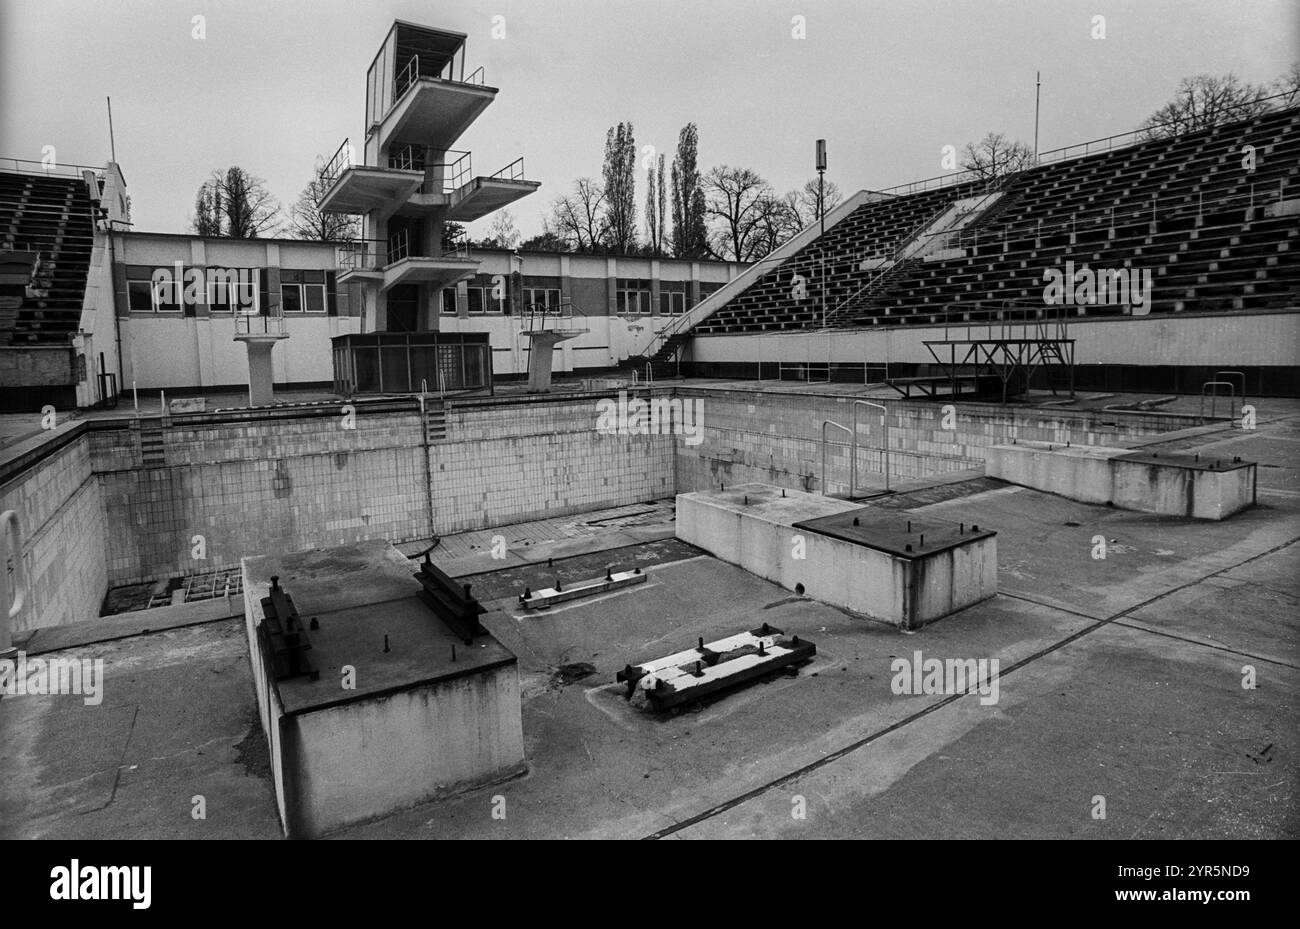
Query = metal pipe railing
x=11 y=600
x=511 y=172
x=340 y=161
x=1090 y=147
x=1221 y=375
x=255 y=324
x=41 y=168
x=1214 y=398
x=884 y=425
x=825 y=423
x=456 y=174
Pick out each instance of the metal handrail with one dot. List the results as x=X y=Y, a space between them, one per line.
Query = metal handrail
x=410 y=75
x=356 y=254
x=457 y=173
x=946 y=180
x=1241 y=374
x=892 y=260
x=410 y=157
x=1214 y=398
x=884 y=424
x=11 y=603
x=1043 y=316
x=41 y=169
x=256 y=324
x=364 y=254
x=1107 y=219
x=511 y=172
x=338 y=163
x=535 y=315
x=825 y=423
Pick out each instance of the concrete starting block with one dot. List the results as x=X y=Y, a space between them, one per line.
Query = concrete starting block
x=370 y=702
x=903 y=569
x=708 y=668
x=1199 y=486
x=557 y=594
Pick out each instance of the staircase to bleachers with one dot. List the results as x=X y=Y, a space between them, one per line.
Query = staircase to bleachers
x=1184 y=208
x=55 y=217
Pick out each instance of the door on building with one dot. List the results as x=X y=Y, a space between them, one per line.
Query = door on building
x=404 y=308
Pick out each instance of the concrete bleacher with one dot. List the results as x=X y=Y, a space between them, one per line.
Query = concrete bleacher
x=55 y=218
x=1210 y=232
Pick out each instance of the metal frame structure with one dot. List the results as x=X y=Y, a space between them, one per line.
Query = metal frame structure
x=1005 y=348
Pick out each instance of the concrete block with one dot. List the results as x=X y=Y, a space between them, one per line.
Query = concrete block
x=419 y=721
x=1200 y=487
x=808 y=544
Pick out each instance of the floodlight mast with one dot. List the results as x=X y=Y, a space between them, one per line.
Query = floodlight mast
x=821 y=213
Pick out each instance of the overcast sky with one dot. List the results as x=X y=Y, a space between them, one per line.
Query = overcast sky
x=888 y=84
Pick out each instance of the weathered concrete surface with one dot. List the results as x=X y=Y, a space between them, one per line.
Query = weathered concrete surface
x=178 y=721
x=861 y=558
x=1121 y=678
x=1168 y=484
x=400 y=711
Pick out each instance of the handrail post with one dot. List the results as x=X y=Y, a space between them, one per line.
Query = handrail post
x=1214 y=397
x=11 y=601
x=1225 y=374
x=884 y=425
x=825 y=423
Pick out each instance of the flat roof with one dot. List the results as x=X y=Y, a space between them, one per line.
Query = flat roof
x=1206 y=462
x=892 y=532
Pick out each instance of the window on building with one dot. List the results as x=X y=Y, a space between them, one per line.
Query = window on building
x=632 y=297
x=144 y=297
x=481 y=299
x=302 y=291
x=230 y=290
x=671 y=303
x=548 y=297
x=449 y=301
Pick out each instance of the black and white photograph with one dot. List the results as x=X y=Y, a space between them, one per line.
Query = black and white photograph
x=593 y=420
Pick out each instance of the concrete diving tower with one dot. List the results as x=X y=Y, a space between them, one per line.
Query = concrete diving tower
x=411 y=183
x=545 y=328
x=260 y=335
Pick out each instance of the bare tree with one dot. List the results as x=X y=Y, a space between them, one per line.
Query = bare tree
x=237 y=204
x=308 y=222
x=804 y=202
x=502 y=232
x=776 y=219
x=208 y=210
x=996 y=155
x=734 y=200
x=547 y=241
x=579 y=218
x=1204 y=101
x=251 y=211
x=1289 y=85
